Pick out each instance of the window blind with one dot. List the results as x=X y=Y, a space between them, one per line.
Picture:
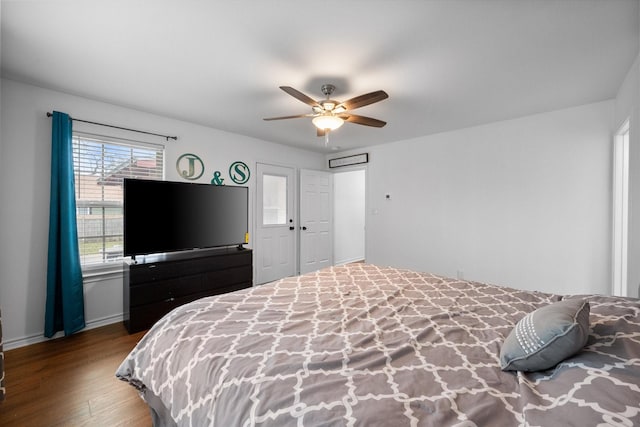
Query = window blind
x=100 y=166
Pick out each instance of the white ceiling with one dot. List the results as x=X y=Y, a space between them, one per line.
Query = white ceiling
x=445 y=64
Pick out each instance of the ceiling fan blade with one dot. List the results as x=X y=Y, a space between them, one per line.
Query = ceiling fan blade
x=300 y=96
x=288 y=117
x=320 y=132
x=362 y=100
x=362 y=120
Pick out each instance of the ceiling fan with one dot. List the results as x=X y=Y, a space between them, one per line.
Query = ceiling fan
x=329 y=114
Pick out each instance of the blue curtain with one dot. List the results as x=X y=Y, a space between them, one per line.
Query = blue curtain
x=65 y=296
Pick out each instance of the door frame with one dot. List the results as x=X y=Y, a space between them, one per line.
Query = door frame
x=364 y=169
x=620 y=211
x=296 y=211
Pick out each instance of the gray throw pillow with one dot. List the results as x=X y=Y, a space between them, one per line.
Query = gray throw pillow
x=546 y=336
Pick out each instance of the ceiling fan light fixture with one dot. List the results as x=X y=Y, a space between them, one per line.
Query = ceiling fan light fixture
x=328 y=105
x=327 y=121
x=329 y=114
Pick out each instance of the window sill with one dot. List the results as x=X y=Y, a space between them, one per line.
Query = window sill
x=97 y=273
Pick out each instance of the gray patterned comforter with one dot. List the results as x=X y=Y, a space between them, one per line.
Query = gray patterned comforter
x=371 y=346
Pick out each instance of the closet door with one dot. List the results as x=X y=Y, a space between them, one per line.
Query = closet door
x=316 y=220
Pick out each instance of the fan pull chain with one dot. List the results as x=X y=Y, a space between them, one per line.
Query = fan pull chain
x=326 y=137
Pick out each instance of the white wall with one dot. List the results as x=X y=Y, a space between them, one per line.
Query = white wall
x=523 y=203
x=627 y=106
x=24 y=192
x=349 y=216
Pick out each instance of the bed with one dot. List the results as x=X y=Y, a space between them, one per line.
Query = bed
x=364 y=345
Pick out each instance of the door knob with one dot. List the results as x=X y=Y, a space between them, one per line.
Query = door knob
x=292 y=228
x=304 y=228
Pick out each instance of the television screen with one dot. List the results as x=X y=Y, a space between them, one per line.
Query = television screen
x=163 y=216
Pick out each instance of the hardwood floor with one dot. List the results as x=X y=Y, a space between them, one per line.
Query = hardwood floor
x=70 y=381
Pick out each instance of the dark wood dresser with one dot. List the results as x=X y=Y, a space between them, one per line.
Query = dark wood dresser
x=156 y=284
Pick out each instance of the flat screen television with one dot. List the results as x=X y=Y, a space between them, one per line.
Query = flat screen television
x=164 y=216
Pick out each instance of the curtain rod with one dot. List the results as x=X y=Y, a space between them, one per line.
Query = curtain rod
x=175 y=138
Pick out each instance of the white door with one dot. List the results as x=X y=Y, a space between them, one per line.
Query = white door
x=275 y=250
x=316 y=220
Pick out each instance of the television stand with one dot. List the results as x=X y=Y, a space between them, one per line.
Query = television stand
x=156 y=284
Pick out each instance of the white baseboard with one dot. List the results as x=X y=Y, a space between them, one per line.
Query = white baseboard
x=348 y=261
x=36 y=338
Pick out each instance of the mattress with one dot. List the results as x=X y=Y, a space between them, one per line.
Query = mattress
x=367 y=345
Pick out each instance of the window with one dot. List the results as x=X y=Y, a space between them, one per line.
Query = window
x=100 y=166
x=274 y=200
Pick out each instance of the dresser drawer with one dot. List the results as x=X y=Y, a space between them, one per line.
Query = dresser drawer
x=179 y=268
x=221 y=279
x=145 y=293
